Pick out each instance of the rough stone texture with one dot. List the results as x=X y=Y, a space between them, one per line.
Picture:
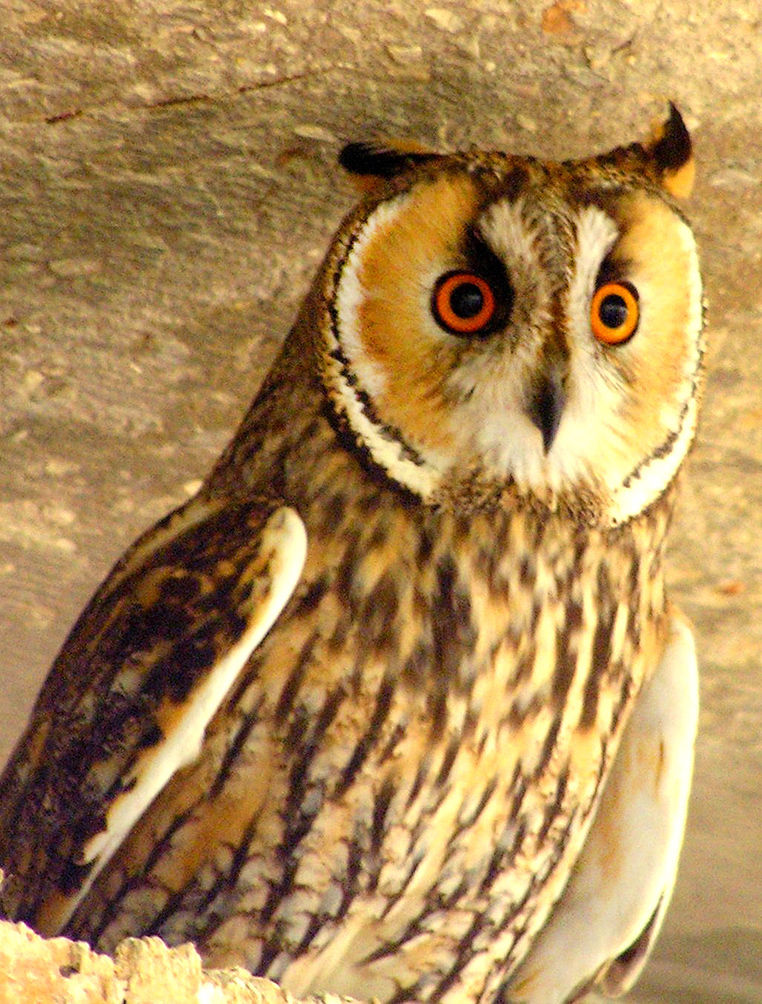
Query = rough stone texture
x=143 y=971
x=168 y=186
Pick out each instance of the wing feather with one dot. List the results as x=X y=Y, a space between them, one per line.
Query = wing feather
x=144 y=672
x=606 y=922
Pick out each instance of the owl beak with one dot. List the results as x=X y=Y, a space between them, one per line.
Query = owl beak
x=546 y=407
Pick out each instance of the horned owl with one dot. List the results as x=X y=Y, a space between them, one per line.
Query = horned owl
x=396 y=706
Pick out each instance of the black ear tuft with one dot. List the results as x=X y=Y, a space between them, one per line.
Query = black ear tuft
x=672 y=150
x=379 y=161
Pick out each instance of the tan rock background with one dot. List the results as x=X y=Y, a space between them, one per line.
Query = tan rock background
x=167 y=187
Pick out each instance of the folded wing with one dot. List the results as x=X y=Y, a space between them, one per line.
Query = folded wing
x=129 y=698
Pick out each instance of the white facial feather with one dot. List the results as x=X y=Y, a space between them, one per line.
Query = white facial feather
x=591 y=391
x=594 y=391
x=504 y=226
x=506 y=437
x=388 y=452
x=351 y=294
x=648 y=481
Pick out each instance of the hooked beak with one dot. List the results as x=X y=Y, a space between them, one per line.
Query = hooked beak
x=546 y=407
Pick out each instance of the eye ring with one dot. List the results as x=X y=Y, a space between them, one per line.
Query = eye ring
x=463 y=303
x=614 y=312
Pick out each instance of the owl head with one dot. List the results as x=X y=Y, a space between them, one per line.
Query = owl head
x=494 y=326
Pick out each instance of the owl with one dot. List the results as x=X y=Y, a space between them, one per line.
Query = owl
x=396 y=706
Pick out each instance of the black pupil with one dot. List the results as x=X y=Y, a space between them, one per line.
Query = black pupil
x=466 y=300
x=613 y=311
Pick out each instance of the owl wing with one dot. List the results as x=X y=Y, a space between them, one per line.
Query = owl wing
x=128 y=700
x=606 y=922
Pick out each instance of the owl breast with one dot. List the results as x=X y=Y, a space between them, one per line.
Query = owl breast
x=420 y=754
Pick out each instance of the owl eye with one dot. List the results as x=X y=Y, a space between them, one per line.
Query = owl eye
x=614 y=312
x=463 y=303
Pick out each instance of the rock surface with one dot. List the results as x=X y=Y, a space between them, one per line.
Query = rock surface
x=167 y=187
x=143 y=971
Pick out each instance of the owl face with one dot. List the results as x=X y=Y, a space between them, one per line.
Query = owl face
x=532 y=328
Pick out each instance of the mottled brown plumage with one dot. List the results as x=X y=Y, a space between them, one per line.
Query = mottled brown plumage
x=346 y=717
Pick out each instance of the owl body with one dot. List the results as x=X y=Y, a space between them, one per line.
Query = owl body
x=347 y=717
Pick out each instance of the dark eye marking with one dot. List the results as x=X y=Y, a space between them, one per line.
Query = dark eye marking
x=477 y=299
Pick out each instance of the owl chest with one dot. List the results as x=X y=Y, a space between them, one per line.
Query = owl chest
x=449 y=705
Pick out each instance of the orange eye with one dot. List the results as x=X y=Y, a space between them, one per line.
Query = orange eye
x=614 y=312
x=463 y=303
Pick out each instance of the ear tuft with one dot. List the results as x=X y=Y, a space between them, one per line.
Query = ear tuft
x=671 y=151
x=373 y=164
